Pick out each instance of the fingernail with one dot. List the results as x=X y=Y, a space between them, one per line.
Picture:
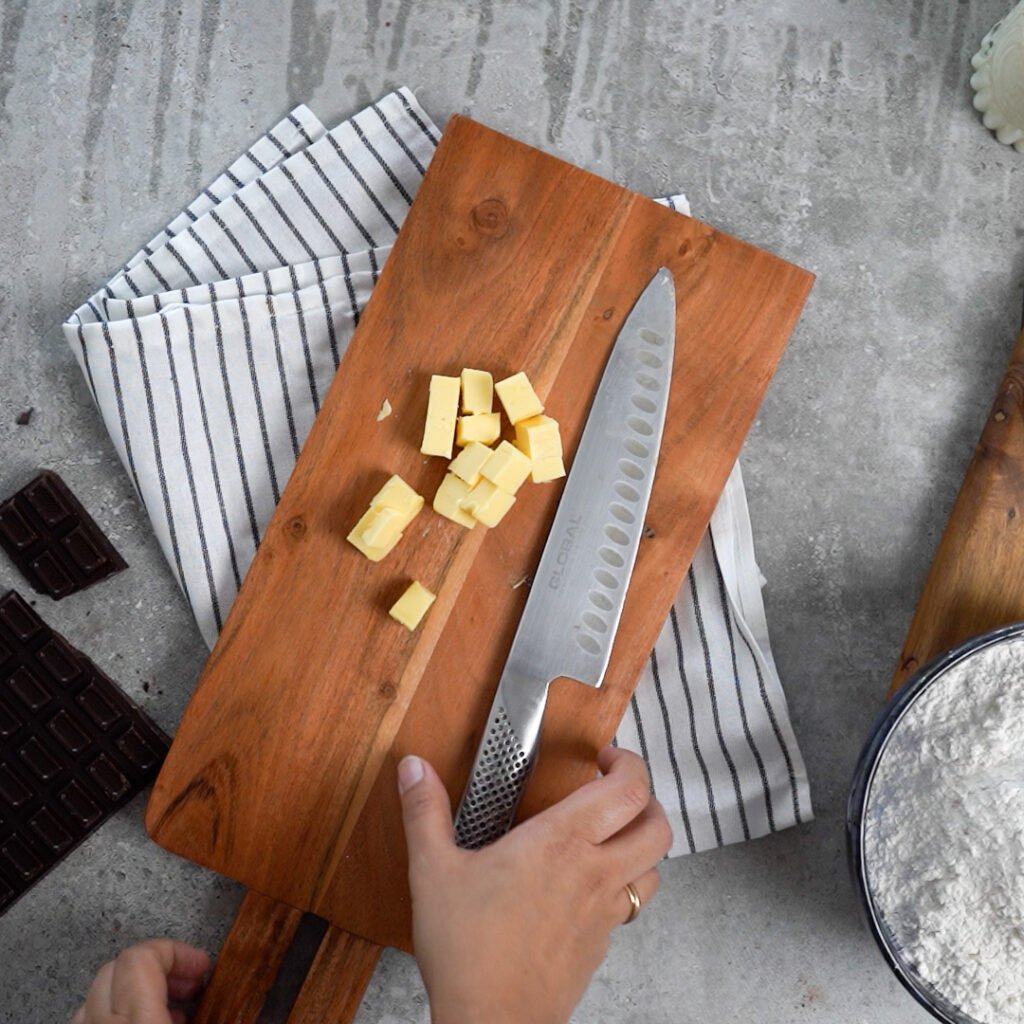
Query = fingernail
x=410 y=772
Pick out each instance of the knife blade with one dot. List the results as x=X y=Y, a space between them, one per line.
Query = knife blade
x=572 y=614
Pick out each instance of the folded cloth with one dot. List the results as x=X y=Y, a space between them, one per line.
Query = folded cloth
x=209 y=353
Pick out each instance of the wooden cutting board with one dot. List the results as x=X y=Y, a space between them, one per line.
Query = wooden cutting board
x=976 y=582
x=282 y=772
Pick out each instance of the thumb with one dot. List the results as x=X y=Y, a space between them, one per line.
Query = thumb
x=426 y=810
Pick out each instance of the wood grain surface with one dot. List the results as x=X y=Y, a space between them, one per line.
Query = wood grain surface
x=336 y=980
x=976 y=582
x=248 y=962
x=282 y=772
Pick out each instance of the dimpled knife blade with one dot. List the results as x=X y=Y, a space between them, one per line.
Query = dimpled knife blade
x=571 y=617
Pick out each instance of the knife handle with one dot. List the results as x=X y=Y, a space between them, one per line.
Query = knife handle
x=500 y=772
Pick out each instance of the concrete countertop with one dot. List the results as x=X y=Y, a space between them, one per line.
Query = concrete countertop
x=840 y=136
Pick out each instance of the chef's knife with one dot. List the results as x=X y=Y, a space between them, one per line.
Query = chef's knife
x=576 y=598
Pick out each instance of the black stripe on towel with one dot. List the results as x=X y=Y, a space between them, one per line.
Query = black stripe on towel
x=160 y=279
x=642 y=738
x=298 y=127
x=260 y=230
x=352 y=305
x=219 y=333
x=285 y=219
x=181 y=262
x=186 y=459
x=317 y=215
x=256 y=163
x=412 y=113
x=230 y=236
x=161 y=473
x=301 y=318
x=714 y=705
x=288 y=411
x=336 y=195
x=260 y=414
x=670 y=747
x=374 y=198
x=328 y=314
x=794 y=788
x=194 y=235
x=281 y=148
x=211 y=450
x=85 y=360
x=758 y=760
x=702 y=764
x=115 y=378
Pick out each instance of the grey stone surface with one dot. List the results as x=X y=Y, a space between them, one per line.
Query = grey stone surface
x=838 y=135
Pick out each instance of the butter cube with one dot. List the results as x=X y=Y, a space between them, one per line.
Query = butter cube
x=468 y=463
x=383 y=528
x=506 y=468
x=484 y=427
x=449 y=495
x=518 y=398
x=378 y=524
x=442 y=409
x=539 y=437
x=547 y=469
x=488 y=503
x=410 y=608
x=477 y=391
x=396 y=494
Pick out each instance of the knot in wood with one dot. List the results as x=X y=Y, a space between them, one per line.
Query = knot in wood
x=491 y=218
x=296 y=528
x=387 y=691
x=692 y=250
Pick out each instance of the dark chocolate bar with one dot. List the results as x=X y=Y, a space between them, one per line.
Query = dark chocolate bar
x=52 y=539
x=73 y=748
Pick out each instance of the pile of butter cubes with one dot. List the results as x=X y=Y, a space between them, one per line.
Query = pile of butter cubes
x=482 y=480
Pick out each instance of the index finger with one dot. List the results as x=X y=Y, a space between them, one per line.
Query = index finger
x=607 y=805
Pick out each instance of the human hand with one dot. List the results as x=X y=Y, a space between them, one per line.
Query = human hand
x=512 y=933
x=142 y=983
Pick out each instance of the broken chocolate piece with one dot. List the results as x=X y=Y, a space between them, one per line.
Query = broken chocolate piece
x=73 y=748
x=53 y=540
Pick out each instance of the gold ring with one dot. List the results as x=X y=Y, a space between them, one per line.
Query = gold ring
x=635 y=903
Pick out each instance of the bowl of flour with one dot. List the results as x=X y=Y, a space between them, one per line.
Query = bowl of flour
x=936 y=832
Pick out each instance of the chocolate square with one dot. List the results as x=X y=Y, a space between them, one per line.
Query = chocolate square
x=73 y=747
x=10 y=721
x=53 y=541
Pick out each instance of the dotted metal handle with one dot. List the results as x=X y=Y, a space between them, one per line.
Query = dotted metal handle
x=499 y=777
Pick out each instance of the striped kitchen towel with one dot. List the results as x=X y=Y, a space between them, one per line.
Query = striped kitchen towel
x=208 y=355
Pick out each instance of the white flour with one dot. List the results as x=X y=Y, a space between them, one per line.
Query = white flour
x=944 y=839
